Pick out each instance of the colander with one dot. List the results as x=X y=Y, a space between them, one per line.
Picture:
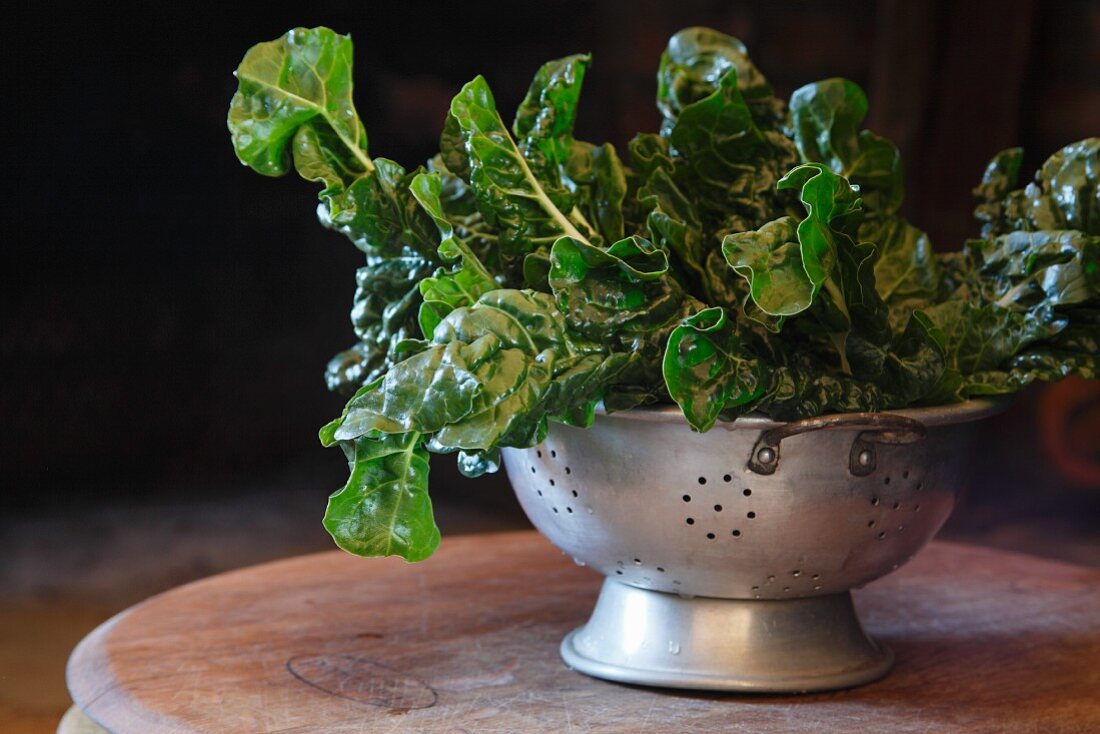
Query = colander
x=730 y=555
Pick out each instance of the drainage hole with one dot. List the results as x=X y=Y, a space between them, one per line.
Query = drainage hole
x=736 y=533
x=751 y=515
x=816 y=576
x=691 y=521
x=553 y=454
x=881 y=535
x=747 y=492
x=897 y=505
x=539 y=491
x=702 y=480
x=870 y=523
x=796 y=573
x=637 y=561
x=727 y=478
x=569 y=510
x=620 y=573
x=886 y=480
x=710 y=536
x=539 y=453
x=687 y=498
x=874 y=501
x=718 y=508
x=660 y=570
x=575 y=493
x=551 y=482
x=555 y=509
x=532 y=470
x=905 y=474
x=568 y=470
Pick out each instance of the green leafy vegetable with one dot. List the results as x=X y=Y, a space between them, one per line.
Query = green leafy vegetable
x=384 y=508
x=749 y=256
x=707 y=370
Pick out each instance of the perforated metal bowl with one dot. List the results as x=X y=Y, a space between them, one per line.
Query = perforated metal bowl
x=729 y=555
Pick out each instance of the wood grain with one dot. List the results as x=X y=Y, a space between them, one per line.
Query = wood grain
x=466 y=642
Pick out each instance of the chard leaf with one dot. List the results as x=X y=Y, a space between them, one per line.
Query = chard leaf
x=467 y=281
x=285 y=84
x=802 y=390
x=692 y=66
x=907 y=274
x=422 y=393
x=544 y=120
x=379 y=213
x=907 y=367
x=600 y=187
x=1064 y=195
x=384 y=313
x=1052 y=268
x=452 y=148
x=706 y=369
x=730 y=166
x=786 y=264
x=524 y=203
x=830 y=203
x=998 y=179
x=826 y=116
x=648 y=154
x=384 y=509
x=492 y=375
x=770 y=260
x=607 y=293
x=981 y=337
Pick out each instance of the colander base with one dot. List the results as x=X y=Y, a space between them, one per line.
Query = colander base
x=653 y=638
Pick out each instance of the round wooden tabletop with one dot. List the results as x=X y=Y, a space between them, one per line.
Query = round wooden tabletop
x=468 y=642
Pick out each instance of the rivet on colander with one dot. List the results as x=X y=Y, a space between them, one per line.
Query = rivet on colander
x=766 y=455
x=864 y=458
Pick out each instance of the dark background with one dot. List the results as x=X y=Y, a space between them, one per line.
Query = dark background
x=167 y=314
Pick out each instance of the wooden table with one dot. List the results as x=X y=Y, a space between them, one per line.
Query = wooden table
x=467 y=642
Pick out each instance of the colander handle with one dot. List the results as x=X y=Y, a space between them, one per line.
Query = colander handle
x=876 y=428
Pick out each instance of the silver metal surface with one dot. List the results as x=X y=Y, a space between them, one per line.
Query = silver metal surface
x=795 y=645
x=656 y=507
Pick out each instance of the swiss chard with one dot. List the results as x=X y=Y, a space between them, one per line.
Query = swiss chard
x=748 y=257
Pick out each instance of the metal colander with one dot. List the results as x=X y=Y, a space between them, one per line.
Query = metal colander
x=729 y=555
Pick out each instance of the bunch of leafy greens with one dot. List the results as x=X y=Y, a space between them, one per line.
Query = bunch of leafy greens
x=749 y=257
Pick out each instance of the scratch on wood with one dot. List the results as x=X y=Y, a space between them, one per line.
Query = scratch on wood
x=362 y=680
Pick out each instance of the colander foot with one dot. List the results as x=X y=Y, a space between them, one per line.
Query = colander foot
x=776 y=646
